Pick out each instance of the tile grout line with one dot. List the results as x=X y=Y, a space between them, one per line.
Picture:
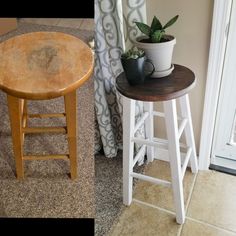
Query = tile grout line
x=161 y=209
x=180 y=230
x=188 y=202
x=191 y=193
x=210 y=225
x=153 y=206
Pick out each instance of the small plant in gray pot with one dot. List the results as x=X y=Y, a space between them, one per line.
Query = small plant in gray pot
x=134 y=62
x=157 y=45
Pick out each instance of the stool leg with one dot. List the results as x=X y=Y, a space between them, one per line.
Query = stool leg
x=24 y=117
x=175 y=161
x=148 y=107
x=71 y=121
x=128 y=148
x=25 y=114
x=188 y=131
x=15 y=115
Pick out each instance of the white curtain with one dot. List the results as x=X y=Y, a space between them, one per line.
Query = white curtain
x=114 y=33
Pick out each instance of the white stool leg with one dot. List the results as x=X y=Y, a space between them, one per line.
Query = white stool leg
x=175 y=161
x=128 y=148
x=188 y=131
x=148 y=107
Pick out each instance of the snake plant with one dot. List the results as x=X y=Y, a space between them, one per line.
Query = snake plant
x=156 y=31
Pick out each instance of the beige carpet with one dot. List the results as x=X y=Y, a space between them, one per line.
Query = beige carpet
x=47 y=190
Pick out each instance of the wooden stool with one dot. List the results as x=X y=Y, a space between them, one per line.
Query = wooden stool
x=168 y=89
x=38 y=66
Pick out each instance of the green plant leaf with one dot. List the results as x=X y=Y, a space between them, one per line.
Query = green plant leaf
x=157 y=36
x=171 y=22
x=156 y=24
x=133 y=53
x=143 y=28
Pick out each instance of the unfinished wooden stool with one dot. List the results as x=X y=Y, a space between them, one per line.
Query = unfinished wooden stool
x=168 y=89
x=38 y=66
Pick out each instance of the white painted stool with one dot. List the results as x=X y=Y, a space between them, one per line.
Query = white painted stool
x=169 y=89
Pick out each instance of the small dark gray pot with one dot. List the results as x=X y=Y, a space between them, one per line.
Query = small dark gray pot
x=134 y=70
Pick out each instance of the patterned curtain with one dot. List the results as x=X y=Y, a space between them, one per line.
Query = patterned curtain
x=114 y=33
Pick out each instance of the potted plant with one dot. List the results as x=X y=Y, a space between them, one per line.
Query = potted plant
x=133 y=62
x=157 y=45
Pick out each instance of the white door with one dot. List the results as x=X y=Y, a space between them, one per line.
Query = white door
x=224 y=141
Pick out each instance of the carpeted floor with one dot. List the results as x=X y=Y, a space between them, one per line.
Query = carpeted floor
x=47 y=190
x=108 y=192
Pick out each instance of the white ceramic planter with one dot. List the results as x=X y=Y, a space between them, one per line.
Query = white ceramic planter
x=160 y=54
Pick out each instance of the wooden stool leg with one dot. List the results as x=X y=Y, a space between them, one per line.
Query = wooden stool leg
x=71 y=121
x=15 y=115
x=148 y=107
x=128 y=148
x=24 y=117
x=25 y=114
x=185 y=112
x=175 y=161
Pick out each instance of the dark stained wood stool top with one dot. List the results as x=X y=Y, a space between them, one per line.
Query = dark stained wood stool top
x=44 y=65
x=177 y=84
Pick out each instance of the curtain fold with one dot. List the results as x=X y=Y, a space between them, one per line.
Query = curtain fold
x=114 y=33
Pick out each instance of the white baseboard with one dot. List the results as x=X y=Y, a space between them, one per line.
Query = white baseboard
x=163 y=155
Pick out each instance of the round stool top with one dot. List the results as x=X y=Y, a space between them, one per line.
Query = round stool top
x=178 y=83
x=44 y=65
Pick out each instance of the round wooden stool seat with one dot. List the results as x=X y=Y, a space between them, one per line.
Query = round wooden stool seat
x=178 y=83
x=44 y=65
x=37 y=66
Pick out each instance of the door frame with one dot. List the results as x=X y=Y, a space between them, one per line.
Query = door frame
x=220 y=23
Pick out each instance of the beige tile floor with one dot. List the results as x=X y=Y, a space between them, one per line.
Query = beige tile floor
x=80 y=23
x=210 y=202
